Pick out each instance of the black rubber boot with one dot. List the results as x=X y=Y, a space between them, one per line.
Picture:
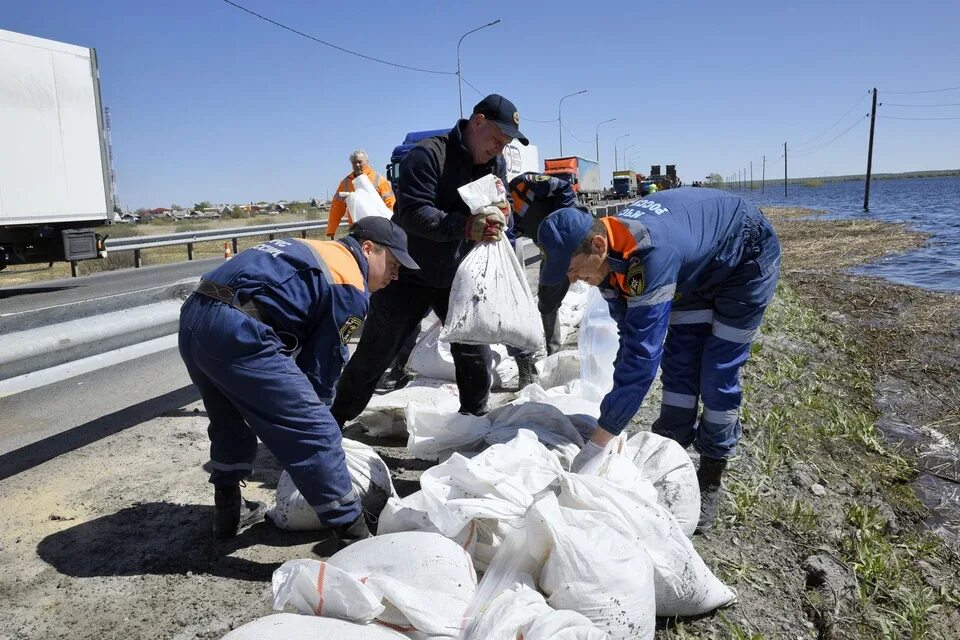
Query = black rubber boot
x=709 y=476
x=551 y=331
x=357 y=530
x=526 y=369
x=232 y=512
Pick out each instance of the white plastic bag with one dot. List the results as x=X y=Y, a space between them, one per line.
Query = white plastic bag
x=414 y=582
x=369 y=475
x=293 y=626
x=591 y=567
x=491 y=302
x=570 y=313
x=365 y=200
x=558 y=369
x=663 y=462
x=683 y=584
x=599 y=343
x=384 y=415
x=431 y=358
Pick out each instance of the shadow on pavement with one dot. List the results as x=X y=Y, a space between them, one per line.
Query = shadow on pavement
x=160 y=538
x=9 y=292
x=49 y=448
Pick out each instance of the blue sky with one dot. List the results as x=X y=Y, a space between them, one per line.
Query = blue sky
x=210 y=103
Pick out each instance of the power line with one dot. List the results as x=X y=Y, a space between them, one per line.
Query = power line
x=902 y=118
x=903 y=93
x=575 y=137
x=837 y=122
x=479 y=93
x=339 y=48
x=944 y=104
x=808 y=152
x=526 y=119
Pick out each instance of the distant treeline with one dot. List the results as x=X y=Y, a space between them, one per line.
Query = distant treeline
x=814 y=180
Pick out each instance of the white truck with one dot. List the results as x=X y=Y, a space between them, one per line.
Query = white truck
x=54 y=172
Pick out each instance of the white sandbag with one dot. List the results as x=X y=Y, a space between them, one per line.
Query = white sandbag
x=436 y=431
x=683 y=584
x=483 y=191
x=582 y=412
x=665 y=463
x=558 y=369
x=424 y=580
x=312 y=587
x=591 y=567
x=293 y=626
x=570 y=313
x=369 y=475
x=365 y=200
x=480 y=538
x=491 y=302
x=499 y=484
x=522 y=612
x=384 y=415
x=598 y=344
x=431 y=358
x=553 y=429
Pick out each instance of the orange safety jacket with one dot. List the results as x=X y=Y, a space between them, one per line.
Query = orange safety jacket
x=338 y=207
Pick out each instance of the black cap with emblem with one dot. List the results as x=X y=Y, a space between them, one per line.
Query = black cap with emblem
x=384 y=231
x=504 y=114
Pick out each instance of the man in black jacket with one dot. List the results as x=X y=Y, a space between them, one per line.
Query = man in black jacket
x=441 y=229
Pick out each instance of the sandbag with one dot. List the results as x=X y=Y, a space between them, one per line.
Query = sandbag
x=414 y=582
x=558 y=369
x=570 y=313
x=292 y=626
x=522 y=612
x=582 y=412
x=431 y=358
x=664 y=462
x=499 y=484
x=369 y=476
x=384 y=415
x=435 y=432
x=365 y=200
x=683 y=584
x=591 y=567
x=553 y=429
x=598 y=344
x=491 y=302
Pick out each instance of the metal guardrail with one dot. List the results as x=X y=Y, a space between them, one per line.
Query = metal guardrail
x=189 y=238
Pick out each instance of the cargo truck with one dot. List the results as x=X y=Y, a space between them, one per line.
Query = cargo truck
x=625 y=184
x=518 y=158
x=583 y=174
x=54 y=171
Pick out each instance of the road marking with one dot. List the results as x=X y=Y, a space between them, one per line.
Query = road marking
x=35 y=379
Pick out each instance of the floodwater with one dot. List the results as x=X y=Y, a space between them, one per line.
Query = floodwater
x=930 y=205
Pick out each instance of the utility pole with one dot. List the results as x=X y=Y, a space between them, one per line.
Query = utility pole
x=751 y=176
x=763 y=176
x=873 y=119
x=784 y=169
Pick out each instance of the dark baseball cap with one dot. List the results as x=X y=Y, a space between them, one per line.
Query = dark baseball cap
x=559 y=236
x=384 y=231
x=503 y=112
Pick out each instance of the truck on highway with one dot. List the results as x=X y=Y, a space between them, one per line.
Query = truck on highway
x=625 y=184
x=54 y=170
x=518 y=158
x=583 y=174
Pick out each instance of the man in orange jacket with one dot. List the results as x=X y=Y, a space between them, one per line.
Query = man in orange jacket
x=361 y=165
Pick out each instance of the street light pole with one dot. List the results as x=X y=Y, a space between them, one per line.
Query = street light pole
x=459 y=84
x=560 y=117
x=615 y=156
x=598 y=137
x=625 y=154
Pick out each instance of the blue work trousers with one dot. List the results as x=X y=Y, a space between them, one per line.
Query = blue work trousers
x=251 y=388
x=708 y=342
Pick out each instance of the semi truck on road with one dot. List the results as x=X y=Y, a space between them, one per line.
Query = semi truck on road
x=54 y=171
x=625 y=184
x=582 y=173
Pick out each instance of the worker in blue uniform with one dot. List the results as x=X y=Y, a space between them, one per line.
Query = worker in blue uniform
x=264 y=338
x=697 y=267
x=534 y=196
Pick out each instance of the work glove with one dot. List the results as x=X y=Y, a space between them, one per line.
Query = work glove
x=486 y=224
x=590 y=451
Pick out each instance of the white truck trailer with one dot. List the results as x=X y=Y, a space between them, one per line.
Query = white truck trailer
x=54 y=173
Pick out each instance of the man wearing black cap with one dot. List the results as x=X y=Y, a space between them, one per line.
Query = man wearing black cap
x=264 y=338
x=441 y=229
